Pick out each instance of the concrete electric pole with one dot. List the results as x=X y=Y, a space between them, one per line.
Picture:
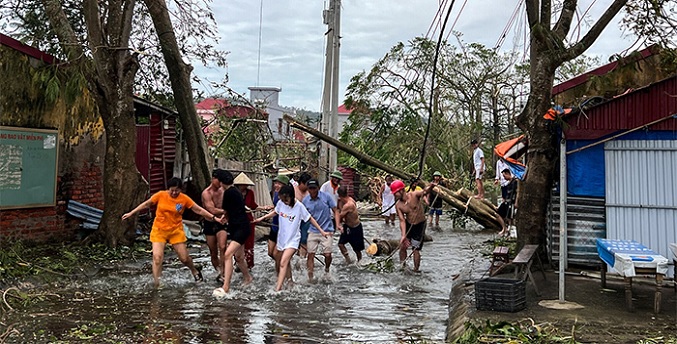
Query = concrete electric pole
x=330 y=93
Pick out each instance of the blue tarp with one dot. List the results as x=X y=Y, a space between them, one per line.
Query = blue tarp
x=585 y=169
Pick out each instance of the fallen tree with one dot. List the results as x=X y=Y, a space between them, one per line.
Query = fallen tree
x=481 y=211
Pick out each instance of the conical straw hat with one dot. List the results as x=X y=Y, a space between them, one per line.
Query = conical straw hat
x=242 y=179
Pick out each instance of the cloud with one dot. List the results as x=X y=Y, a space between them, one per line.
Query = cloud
x=292 y=46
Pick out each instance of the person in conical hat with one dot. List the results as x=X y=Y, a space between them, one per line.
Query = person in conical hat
x=331 y=186
x=242 y=183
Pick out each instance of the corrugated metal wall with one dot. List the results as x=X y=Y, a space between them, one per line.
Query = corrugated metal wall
x=142 y=157
x=162 y=150
x=641 y=192
x=585 y=223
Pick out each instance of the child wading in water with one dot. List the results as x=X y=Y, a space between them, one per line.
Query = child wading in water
x=291 y=213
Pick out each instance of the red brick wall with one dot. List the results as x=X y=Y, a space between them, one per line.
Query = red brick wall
x=35 y=224
x=85 y=185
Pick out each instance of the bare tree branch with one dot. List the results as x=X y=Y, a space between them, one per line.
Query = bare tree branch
x=561 y=28
x=592 y=35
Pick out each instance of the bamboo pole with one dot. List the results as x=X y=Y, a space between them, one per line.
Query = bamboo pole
x=483 y=213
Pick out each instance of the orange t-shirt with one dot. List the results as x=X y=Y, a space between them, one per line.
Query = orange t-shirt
x=168 y=215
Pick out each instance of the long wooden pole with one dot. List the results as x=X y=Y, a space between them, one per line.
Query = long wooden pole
x=479 y=211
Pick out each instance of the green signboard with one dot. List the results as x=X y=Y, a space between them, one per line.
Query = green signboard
x=28 y=167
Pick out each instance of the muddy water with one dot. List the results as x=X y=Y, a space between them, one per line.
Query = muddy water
x=350 y=304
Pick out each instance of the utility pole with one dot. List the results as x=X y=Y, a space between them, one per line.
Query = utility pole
x=330 y=93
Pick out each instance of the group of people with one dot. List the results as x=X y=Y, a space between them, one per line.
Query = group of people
x=432 y=200
x=507 y=181
x=304 y=216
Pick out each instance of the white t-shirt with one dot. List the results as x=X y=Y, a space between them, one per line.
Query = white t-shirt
x=329 y=190
x=500 y=166
x=477 y=155
x=388 y=199
x=289 y=232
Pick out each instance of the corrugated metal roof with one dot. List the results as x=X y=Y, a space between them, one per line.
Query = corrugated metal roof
x=580 y=79
x=631 y=110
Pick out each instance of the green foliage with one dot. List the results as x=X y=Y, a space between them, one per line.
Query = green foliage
x=381 y=265
x=391 y=107
x=525 y=332
x=20 y=260
x=35 y=94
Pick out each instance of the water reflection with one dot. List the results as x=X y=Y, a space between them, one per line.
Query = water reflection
x=350 y=305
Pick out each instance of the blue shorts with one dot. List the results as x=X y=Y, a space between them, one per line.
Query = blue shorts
x=304 y=232
x=434 y=211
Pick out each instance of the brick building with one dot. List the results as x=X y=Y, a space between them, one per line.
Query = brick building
x=79 y=167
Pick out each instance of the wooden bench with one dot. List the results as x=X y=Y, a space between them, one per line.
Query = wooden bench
x=523 y=262
x=499 y=259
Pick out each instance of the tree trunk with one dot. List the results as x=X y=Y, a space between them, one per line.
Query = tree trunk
x=179 y=76
x=112 y=83
x=123 y=186
x=483 y=213
x=534 y=193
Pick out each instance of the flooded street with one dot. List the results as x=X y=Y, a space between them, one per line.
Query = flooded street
x=350 y=304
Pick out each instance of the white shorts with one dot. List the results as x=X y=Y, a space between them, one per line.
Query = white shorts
x=478 y=174
x=390 y=207
x=316 y=240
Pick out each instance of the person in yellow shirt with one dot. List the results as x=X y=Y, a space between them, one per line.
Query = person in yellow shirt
x=168 y=226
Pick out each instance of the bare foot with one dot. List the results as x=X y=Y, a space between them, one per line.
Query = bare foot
x=248 y=281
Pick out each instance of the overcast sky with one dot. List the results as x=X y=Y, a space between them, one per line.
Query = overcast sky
x=292 y=45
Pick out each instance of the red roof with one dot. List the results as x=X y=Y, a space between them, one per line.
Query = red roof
x=557 y=89
x=342 y=110
x=26 y=49
x=628 y=111
x=212 y=104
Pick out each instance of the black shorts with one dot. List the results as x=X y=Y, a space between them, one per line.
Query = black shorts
x=239 y=232
x=353 y=236
x=415 y=234
x=211 y=228
x=272 y=236
x=504 y=210
x=504 y=192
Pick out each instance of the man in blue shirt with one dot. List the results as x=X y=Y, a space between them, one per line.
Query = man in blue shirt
x=321 y=206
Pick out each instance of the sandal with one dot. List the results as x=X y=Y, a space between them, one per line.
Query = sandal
x=198 y=276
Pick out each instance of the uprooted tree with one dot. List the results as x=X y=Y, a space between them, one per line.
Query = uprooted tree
x=462 y=200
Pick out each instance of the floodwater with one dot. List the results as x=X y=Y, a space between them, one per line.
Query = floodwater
x=350 y=304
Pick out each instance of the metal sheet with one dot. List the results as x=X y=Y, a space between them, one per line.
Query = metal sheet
x=641 y=192
x=628 y=111
x=585 y=223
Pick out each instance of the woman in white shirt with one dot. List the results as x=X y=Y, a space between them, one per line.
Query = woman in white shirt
x=291 y=213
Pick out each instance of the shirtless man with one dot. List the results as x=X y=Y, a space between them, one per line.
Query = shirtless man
x=213 y=230
x=352 y=231
x=412 y=220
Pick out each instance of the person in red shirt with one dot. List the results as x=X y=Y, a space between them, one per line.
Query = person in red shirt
x=168 y=226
